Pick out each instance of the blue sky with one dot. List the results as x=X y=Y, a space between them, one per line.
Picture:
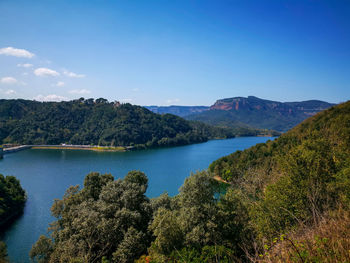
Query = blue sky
x=175 y=52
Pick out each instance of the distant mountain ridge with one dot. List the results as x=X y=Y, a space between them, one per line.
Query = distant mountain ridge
x=177 y=110
x=250 y=112
x=310 y=107
x=190 y=113
x=260 y=113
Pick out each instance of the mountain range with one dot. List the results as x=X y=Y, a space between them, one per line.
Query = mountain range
x=249 y=112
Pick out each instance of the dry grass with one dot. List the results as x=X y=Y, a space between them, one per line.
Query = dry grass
x=328 y=241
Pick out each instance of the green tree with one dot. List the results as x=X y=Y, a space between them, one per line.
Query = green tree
x=12 y=198
x=41 y=250
x=190 y=220
x=106 y=219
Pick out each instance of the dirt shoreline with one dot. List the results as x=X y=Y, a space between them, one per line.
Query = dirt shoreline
x=69 y=147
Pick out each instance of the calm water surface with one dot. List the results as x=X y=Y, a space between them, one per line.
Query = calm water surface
x=46 y=174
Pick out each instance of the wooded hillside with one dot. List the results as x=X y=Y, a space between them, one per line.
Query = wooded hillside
x=97 y=122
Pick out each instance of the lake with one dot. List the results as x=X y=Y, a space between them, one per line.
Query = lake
x=46 y=174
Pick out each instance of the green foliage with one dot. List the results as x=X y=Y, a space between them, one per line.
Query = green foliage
x=221 y=130
x=99 y=122
x=232 y=219
x=12 y=201
x=296 y=178
x=94 y=182
x=162 y=201
x=3 y=253
x=303 y=192
x=166 y=227
x=208 y=254
x=132 y=246
x=341 y=185
x=42 y=250
x=197 y=210
x=106 y=218
x=199 y=216
x=12 y=198
x=221 y=118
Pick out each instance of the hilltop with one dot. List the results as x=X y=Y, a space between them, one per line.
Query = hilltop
x=97 y=122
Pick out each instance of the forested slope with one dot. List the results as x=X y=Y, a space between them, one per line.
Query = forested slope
x=297 y=183
x=97 y=122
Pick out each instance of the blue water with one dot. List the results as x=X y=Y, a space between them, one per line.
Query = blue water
x=46 y=174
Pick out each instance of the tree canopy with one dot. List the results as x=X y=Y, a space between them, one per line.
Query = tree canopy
x=107 y=218
x=12 y=198
x=97 y=122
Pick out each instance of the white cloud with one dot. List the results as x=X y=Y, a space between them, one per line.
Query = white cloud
x=72 y=74
x=46 y=72
x=51 y=97
x=135 y=89
x=60 y=84
x=169 y=101
x=25 y=65
x=79 y=91
x=25 y=73
x=10 y=92
x=16 y=52
x=8 y=80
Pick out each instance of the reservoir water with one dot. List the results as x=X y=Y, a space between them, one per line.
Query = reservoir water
x=46 y=174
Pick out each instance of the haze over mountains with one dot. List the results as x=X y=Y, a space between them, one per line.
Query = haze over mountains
x=181 y=111
x=249 y=112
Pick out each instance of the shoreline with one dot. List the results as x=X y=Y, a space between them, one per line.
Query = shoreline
x=84 y=147
x=95 y=148
x=68 y=147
